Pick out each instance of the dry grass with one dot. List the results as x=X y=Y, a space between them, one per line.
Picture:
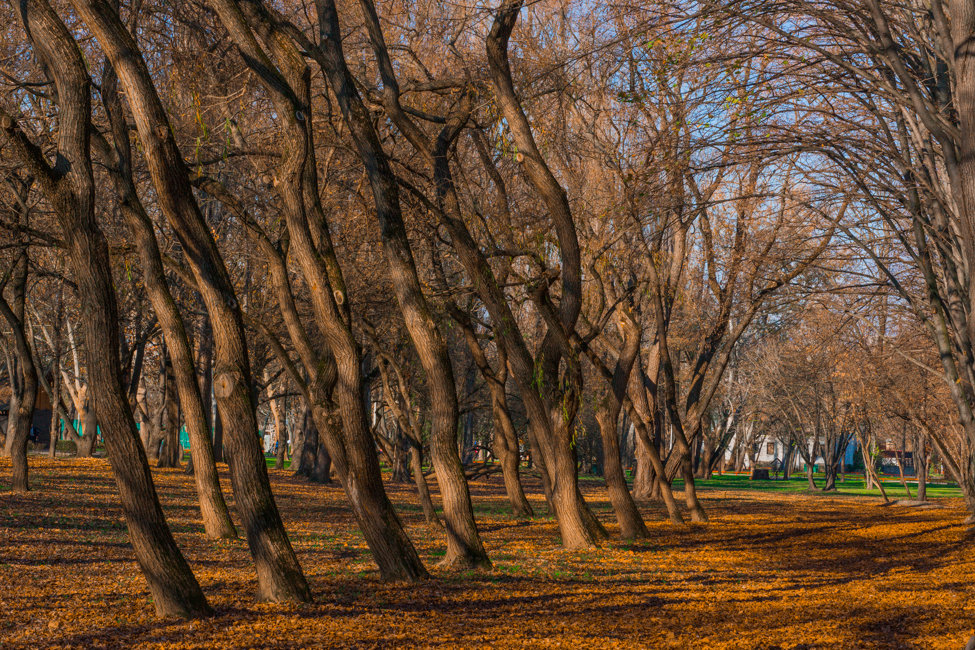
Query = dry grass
x=770 y=571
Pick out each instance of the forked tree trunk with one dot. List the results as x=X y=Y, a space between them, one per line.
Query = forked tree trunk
x=278 y=573
x=174 y=589
x=464 y=547
x=182 y=382
x=354 y=454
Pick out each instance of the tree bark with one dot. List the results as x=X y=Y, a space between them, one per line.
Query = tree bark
x=185 y=388
x=354 y=456
x=464 y=547
x=69 y=188
x=279 y=575
x=23 y=376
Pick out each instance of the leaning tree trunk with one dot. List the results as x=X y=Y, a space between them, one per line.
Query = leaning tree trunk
x=23 y=377
x=174 y=589
x=422 y=488
x=354 y=454
x=506 y=447
x=279 y=574
x=464 y=547
x=181 y=376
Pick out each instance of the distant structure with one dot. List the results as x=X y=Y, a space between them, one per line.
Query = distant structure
x=40 y=430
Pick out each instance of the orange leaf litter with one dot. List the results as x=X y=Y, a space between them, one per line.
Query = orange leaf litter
x=769 y=571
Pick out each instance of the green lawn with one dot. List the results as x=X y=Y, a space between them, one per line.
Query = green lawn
x=854 y=485
x=271 y=461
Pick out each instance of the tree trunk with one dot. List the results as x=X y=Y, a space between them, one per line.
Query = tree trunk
x=323 y=465
x=218 y=455
x=506 y=448
x=900 y=471
x=23 y=375
x=281 y=452
x=278 y=573
x=830 y=484
x=55 y=391
x=181 y=383
x=306 y=460
x=627 y=515
x=89 y=429
x=399 y=456
x=174 y=589
x=578 y=527
x=643 y=476
x=505 y=438
x=690 y=492
x=170 y=454
x=354 y=453
x=422 y=489
x=661 y=487
x=464 y=547
x=921 y=466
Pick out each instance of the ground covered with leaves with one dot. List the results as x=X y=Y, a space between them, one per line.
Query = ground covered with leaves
x=771 y=570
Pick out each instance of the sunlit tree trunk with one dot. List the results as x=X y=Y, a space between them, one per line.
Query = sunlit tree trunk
x=279 y=575
x=71 y=193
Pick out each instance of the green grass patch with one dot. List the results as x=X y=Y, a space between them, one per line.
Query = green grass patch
x=854 y=485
